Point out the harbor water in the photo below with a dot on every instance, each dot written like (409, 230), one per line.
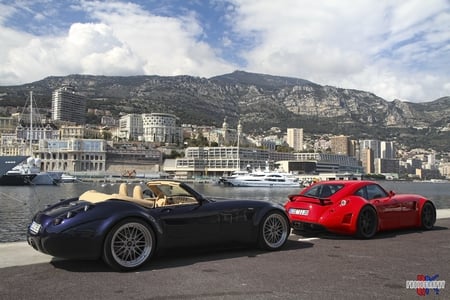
(19, 204)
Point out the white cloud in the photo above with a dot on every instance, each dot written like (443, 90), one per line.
(169, 46)
(395, 49)
(124, 40)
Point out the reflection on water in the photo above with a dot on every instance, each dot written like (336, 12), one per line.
(18, 204)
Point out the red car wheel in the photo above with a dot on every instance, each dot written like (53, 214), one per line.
(367, 222)
(428, 216)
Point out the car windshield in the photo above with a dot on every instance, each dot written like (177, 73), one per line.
(171, 190)
(323, 190)
(167, 189)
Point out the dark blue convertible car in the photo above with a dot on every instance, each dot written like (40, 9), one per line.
(126, 230)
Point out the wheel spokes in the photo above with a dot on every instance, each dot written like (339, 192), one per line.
(131, 244)
(367, 221)
(274, 230)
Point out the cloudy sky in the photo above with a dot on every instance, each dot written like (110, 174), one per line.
(397, 49)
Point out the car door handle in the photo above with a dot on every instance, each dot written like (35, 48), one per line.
(166, 210)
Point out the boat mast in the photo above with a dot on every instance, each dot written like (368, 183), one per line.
(239, 131)
(31, 123)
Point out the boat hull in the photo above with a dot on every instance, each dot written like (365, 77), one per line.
(263, 184)
(47, 178)
(17, 180)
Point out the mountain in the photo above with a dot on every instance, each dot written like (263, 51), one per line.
(260, 101)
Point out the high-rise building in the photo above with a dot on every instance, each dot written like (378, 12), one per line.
(374, 145)
(340, 145)
(367, 159)
(383, 165)
(295, 138)
(387, 150)
(68, 106)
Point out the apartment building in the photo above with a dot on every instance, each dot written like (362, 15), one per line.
(68, 105)
(295, 138)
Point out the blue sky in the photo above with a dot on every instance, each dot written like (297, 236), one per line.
(397, 49)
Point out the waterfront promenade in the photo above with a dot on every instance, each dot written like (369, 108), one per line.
(324, 267)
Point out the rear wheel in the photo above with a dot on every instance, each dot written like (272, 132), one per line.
(367, 222)
(129, 245)
(428, 216)
(274, 231)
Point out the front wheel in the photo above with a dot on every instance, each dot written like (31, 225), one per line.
(367, 223)
(274, 231)
(129, 245)
(428, 216)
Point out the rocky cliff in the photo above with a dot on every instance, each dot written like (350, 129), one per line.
(259, 101)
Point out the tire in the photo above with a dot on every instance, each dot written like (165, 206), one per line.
(428, 216)
(367, 224)
(274, 231)
(129, 245)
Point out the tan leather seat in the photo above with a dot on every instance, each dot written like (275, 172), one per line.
(137, 192)
(123, 189)
(160, 202)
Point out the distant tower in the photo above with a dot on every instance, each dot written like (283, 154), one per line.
(239, 132)
(225, 131)
(68, 106)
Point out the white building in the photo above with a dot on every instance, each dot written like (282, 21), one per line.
(130, 127)
(161, 128)
(72, 155)
(295, 138)
(152, 127)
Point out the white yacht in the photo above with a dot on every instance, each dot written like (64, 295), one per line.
(27, 172)
(259, 178)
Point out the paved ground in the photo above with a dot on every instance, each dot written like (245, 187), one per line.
(323, 267)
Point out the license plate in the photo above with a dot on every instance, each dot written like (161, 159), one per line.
(35, 227)
(301, 212)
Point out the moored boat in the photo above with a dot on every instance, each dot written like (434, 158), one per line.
(67, 178)
(261, 179)
(16, 170)
(23, 170)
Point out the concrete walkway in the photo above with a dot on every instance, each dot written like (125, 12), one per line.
(21, 254)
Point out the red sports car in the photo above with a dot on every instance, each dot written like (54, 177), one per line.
(357, 207)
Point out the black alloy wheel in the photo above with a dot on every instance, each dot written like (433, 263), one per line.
(428, 216)
(367, 222)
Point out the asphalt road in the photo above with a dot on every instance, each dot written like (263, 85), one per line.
(323, 267)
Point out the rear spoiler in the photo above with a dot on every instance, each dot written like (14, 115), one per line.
(310, 199)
